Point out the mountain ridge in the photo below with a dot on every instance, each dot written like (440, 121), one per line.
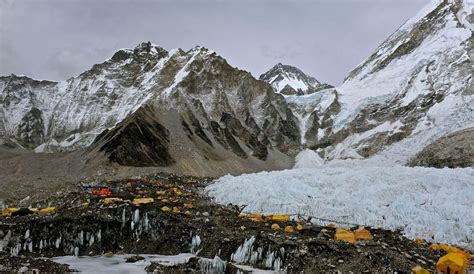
(213, 107)
(402, 96)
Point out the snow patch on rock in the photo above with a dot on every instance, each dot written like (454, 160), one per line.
(308, 159)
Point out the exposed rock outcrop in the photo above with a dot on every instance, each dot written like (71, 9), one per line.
(139, 140)
(453, 150)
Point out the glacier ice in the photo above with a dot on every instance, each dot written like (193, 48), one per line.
(419, 200)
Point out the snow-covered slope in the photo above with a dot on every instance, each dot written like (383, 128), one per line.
(207, 98)
(415, 88)
(71, 113)
(291, 80)
(308, 159)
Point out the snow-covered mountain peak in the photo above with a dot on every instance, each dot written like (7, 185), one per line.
(419, 56)
(436, 29)
(147, 52)
(289, 80)
(143, 51)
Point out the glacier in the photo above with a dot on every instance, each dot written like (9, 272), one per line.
(433, 204)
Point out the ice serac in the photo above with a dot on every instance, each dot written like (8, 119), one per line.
(415, 88)
(291, 80)
(191, 101)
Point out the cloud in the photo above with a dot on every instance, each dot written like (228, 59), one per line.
(281, 51)
(62, 64)
(55, 39)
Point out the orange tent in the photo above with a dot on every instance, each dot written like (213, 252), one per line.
(344, 235)
(363, 234)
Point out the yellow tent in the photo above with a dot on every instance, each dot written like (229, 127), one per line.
(419, 270)
(451, 249)
(139, 201)
(47, 210)
(111, 200)
(7, 212)
(451, 263)
(283, 218)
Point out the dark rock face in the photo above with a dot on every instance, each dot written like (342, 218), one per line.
(31, 129)
(140, 140)
(453, 150)
(198, 129)
(388, 112)
(288, 90)
(18, 100)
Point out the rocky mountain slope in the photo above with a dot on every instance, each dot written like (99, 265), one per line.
(414, 89)
(291, 80)
(148, 100)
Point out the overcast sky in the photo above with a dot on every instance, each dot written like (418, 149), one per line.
(57, 39)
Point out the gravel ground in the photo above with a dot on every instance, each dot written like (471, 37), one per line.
(196, 225)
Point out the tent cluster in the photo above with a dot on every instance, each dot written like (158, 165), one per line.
(361, 234)
(168, 197)
(262, 218)
(455, 261)
(15, 211)
(340, 234)
(288, 228)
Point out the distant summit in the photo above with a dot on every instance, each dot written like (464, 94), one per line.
(291, 80)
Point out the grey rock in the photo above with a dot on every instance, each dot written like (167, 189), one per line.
(453, 150)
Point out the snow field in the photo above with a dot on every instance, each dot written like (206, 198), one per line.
(117, 264)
